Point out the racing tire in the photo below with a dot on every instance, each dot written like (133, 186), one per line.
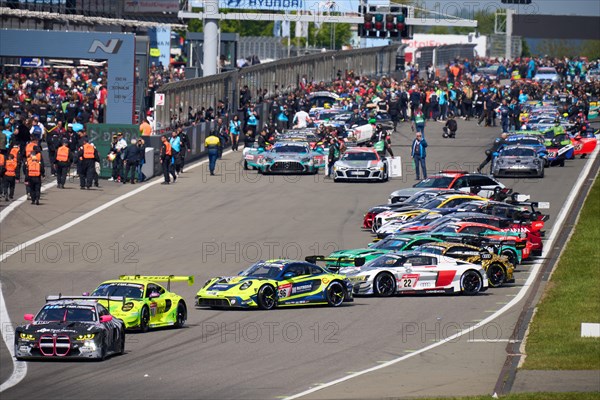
(562, 163)
(496, 275)
(266, 297)
(583, 155)
(471, 283)
(246, 165)
(542, 173)
(103, 350)
(511, 256)
(122, 347)
(181, 315)
(145, 319)
(335, 294)
(385, 177)
(384, 285)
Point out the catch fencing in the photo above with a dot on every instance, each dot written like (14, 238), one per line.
(282, 76)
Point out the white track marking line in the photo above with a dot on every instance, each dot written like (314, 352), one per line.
(535, 269)
(20, 367)
(15, 203)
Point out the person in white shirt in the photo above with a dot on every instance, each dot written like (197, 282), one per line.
(301, 119)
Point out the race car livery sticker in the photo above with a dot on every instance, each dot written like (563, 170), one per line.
(408, 280)
(325, 281)
(153, 307)
(302, 287)
(284, 290)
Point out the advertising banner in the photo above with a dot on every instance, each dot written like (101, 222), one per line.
(101, 136)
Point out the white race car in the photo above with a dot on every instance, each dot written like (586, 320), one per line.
(415, 272)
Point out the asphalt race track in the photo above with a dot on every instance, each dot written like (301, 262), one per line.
(209, 226)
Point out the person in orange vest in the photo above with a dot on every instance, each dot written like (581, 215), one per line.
(63, 158)
(8, 181)
(166, 159)
(89, 157)
(35, 174)
(33, 144)
(2, 169)
(16, 152)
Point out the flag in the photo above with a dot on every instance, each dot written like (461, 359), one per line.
(277, 29)
(285, 28)
(301, 29)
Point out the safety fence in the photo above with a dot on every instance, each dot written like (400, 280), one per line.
(280, 76)
(440, 56)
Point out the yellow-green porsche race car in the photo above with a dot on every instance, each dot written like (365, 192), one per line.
(269, 284)
(145, 304)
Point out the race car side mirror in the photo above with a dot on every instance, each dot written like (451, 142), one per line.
(154, 295)
(288, 275)
(85, 293)
(106, 318)
(28, 317)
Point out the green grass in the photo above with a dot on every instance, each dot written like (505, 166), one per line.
(529, 396)
(572, 297)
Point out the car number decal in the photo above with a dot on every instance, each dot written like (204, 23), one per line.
(409, 280)
(284, 290)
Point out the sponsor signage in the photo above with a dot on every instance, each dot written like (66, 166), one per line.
(32, 62)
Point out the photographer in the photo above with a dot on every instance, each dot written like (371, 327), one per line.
(489, 153)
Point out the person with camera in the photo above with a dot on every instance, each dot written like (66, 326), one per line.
(451, 127)
(489, 153)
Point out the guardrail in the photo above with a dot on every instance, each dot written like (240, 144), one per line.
(280, 76)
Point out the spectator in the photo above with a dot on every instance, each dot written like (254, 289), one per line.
(418, 154)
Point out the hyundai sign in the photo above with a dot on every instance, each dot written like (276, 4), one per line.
(272, 5)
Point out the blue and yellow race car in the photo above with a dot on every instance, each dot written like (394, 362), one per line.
(276, 283)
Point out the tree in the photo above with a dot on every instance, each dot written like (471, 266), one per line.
(591, 49)
(321, 37)
(525, 50)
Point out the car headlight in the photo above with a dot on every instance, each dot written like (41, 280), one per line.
(245, 285)
(87, 336)
(26, 336)
(375, 168)
(127, 306)
(268, 160)
(536, 161)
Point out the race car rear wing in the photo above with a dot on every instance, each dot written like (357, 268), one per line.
(159, 278)
(83, 297)
(479, 241)
(358, 261)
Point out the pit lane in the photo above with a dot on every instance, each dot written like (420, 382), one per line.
(210, 226)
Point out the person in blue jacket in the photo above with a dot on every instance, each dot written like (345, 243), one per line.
(418, 154)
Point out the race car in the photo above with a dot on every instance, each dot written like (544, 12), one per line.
(69, 327)
(146, 303)
(449, 179)
(289, 157)
(416, 199)
(344, 259)
(276, 283)
(499, 271)
(406, 214)
(415, 272)
(518, 161)
(584, 145)
(361, 163)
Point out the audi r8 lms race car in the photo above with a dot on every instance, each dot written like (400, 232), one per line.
(276, 283)
(71, 328)
(361, 163)
(146, 304)
(415, 272)
(518, 161)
